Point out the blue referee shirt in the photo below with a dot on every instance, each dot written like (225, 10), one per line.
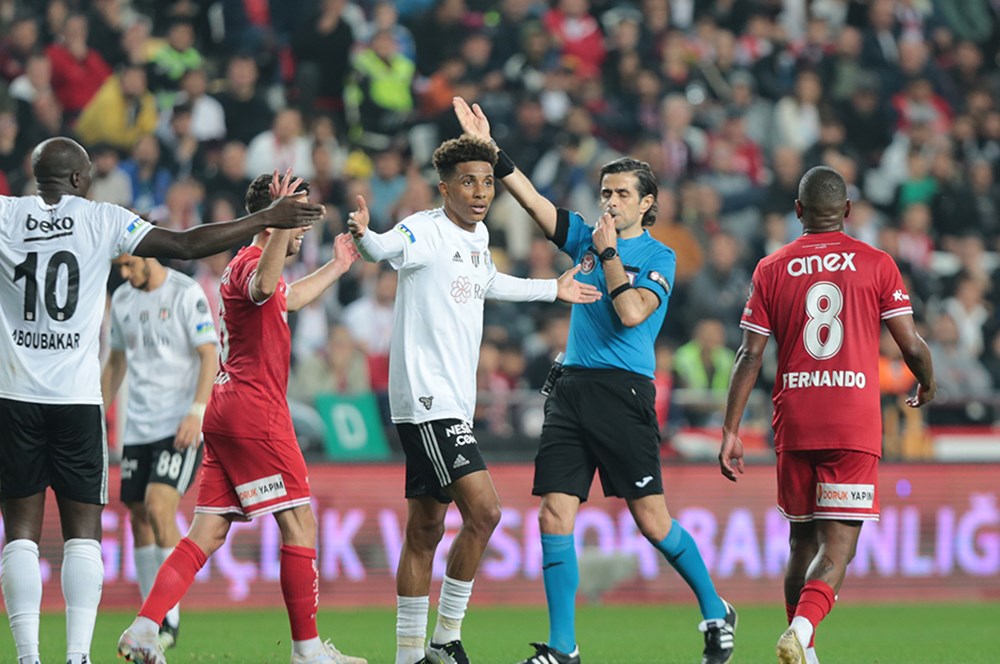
(597, 337)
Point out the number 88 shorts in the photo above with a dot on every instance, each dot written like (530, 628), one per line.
(157, 462)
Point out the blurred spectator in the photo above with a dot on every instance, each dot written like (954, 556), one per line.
(181, 208)
(246, 113)
(796, 116)
(47, 118)
(322, 47)
(110, 184)
(916, 246)
(866, 122)
(960, 377)
(149, 179)
(387, 186)
(208, 120)
(381, 97)
(369, 319)
(121, 112)
(986, 200)
(684, 146)
(77, 70)
(12, 145)
(37, 77)
(784, 187)
(879, 50)
(969, 310)
(705, 364)
(531, 137)
(968, 19)
(676, 235)
(340, 369)
(663, 381)
(281, 147)
(231, 179)
(493, 392)
(107, 27)
(525, 70)
(173, 59)
(727, 280)
(578, 34)
(180, 145)
(438, 33)
(17, 46)
(757, 112)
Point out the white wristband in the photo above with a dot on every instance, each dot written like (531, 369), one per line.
(197, 409)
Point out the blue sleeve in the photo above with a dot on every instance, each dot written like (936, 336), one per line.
(573, 235)
(658, 275)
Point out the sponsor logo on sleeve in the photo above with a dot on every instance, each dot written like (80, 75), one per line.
(900, 296)
(262, 490)
(407, 233)
(136, 224)
(854, 496)
(203, 327)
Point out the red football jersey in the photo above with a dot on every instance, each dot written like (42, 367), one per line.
(823, 298)
(248, 398)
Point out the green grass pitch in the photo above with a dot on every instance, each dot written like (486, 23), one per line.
(871, 634)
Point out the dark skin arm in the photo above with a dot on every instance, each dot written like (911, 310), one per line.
(917, 356)
(745, 371)
(209, 239)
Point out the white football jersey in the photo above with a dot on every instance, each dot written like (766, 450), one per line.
(159, 331)
(55, 261)
(444, 275)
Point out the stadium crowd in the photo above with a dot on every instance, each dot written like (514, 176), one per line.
(182, 103)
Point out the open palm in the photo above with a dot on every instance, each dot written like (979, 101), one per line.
(472, 119)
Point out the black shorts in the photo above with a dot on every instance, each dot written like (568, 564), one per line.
(604, 420)
(157, 462)
(437, 454)
(64, 446)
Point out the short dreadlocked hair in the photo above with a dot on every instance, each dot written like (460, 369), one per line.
(460, 150)
(259, 192)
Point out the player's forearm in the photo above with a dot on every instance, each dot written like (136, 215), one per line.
(744, 376)
(207, 370)
(918, 358)
(203, 240)
(311, 286)
(272, 262)
(376, 247)
(514, 289)
(537, 206)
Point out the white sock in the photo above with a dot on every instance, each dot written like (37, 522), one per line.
(143, 627)
(451, 610)
(173, 617)
(811, 657)
(411, 628)
(82, 582)
(77, 658)
(803, 629)
(303, 648)
(147, 563)
(22, 593)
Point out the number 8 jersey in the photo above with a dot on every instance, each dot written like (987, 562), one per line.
(55, 261)
(823, 298)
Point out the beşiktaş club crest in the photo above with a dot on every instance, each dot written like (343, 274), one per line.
(475, 259)
(164, 313)
(588, 262)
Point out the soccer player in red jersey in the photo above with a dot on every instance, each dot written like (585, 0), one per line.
(824, 298)
(253, 465)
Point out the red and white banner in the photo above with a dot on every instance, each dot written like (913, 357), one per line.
(939, 538)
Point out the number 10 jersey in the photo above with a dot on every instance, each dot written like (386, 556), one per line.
(54, 266)
(823, 298)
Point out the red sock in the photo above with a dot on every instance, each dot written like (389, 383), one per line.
(815, 602)
(173, 580)
(300, 588)
(789, 612)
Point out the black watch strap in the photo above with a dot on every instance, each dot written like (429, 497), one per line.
(608, 254)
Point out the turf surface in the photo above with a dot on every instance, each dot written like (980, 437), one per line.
(884, 634)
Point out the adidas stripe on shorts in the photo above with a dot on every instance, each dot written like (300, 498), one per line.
(438, 453)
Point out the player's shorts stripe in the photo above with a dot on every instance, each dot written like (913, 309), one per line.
(190, 456)
(278, 507)
(434, 453)
(846, 516)
(901, 311)
(104, 452)
(755, 328)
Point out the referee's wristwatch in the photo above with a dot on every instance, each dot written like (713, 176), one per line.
(608, 254)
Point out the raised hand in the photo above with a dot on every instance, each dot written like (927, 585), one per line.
(605, 234)
(344, 252)
(290, 212)
(573, 291)
(731, 456)
(357, 221)
(283, 185)
(473, 120)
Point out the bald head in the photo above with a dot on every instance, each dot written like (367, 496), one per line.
(61, 166)
(822, 204)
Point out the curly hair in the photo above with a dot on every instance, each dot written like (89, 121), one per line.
(460, 150)
(647, 184)
(259, 192)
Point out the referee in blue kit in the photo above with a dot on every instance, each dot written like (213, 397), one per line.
(599, 415)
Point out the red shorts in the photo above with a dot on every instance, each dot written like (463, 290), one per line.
(828, 484)
(251, 476)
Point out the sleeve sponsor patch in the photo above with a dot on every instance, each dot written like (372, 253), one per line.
(204, 327)
(658, 278)
(407, 233)
(136, 224)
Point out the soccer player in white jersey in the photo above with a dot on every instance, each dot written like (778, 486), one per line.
(55, 255)
(163, 338)
(445, 274)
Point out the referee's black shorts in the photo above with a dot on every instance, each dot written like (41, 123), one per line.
(64, 446)
(604, 420)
